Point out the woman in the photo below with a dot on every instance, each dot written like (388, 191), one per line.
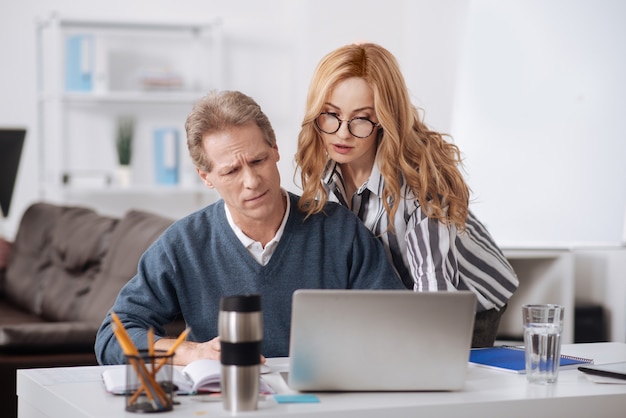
(364, 145)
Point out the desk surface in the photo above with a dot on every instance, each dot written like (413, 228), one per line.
(78, 392)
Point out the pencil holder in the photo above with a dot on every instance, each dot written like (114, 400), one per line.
(149, 382)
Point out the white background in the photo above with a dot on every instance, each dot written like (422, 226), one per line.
(532, 91)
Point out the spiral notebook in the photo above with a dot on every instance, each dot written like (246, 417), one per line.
(512, 359)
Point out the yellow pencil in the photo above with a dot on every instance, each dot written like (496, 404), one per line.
(150, 342)
(173, 348)
(178, 341)
(151, 350)
(128, 346)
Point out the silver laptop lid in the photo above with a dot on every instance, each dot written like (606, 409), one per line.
(372, 340)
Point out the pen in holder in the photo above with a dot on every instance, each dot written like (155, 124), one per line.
(149, 381)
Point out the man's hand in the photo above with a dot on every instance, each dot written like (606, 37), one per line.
(211, 349)
(189, 351)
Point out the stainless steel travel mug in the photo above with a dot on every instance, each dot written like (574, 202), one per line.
(240, 327)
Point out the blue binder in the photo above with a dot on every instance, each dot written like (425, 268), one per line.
(79, 63)
(166, 155)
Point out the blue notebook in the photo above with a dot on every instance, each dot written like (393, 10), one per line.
(512, 359)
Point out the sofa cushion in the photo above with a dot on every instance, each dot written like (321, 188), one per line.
(30, 255)
(47, 335)
(12, 315)
(80, 240)
(132, 236)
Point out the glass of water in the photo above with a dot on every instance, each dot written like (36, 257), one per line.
(543, 325)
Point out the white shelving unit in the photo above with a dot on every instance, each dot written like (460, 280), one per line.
(90, 73)
(572, 275)
(601, 280)
(546, 275)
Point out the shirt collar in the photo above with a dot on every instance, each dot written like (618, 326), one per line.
(246, 240)
(375, 182)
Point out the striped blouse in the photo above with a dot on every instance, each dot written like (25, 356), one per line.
(429, 255)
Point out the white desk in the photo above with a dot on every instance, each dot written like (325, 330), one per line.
(78, 392)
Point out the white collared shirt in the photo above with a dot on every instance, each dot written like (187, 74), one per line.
(255, 248)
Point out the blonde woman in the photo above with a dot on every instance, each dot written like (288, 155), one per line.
(363, 144)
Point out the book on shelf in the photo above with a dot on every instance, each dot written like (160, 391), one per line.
(199, 376)
(513, 359)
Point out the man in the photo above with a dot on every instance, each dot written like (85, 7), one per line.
(254, 240)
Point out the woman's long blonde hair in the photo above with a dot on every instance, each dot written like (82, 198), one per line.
(429, 164)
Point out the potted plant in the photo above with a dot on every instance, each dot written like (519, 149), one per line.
(124, 145)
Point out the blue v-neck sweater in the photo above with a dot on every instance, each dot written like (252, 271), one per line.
(199, 259)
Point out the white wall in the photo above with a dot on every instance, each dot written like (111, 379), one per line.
(531, 90)
(540, 118)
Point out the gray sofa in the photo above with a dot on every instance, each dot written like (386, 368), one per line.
(66, 268)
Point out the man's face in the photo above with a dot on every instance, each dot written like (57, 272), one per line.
(244, 173)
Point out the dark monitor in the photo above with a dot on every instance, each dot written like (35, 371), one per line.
(11, 143)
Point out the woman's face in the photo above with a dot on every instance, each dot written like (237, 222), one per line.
(349, 99)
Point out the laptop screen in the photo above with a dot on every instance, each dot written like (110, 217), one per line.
(11, 143)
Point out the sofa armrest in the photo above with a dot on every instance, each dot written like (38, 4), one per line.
(3, 274)
(6, 248)
(49, 335)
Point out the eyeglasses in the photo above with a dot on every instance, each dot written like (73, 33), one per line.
(330, 123)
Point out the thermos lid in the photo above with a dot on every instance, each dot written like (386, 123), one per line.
(241, 303)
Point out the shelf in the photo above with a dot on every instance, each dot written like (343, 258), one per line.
(96, 24)
(534, 253)
(132, 190)
(138, 97)
(93, 73)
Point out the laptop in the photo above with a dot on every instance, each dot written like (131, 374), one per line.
(380, 340)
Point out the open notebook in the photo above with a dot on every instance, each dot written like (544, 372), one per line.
(199, 376)
(380, 340)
